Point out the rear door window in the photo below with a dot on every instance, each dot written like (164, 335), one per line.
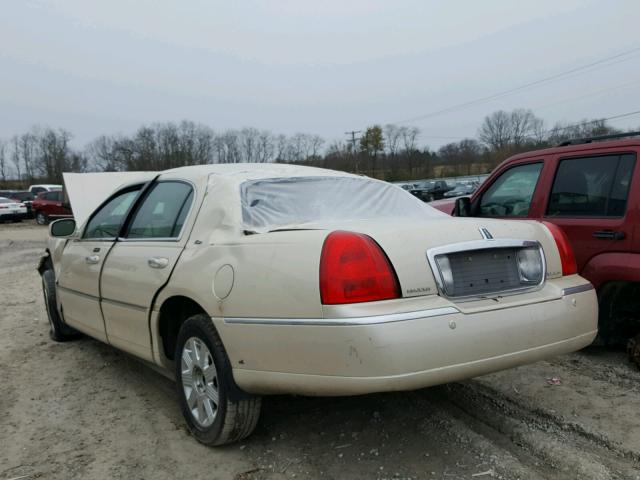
(595, 186)
(511, 193)
(163, 212)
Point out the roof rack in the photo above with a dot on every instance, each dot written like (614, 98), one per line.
(577, 141)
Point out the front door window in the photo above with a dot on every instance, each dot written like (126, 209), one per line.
(511, 194)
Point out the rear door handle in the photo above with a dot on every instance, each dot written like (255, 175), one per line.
(158, 262)
(92, 259)
(609, 235)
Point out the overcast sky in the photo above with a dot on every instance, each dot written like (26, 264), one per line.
(320, 67)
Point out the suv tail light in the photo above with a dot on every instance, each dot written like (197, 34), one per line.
(353, 268)
(567, 257)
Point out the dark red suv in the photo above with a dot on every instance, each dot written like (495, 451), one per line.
(591, 189)
(49, 206)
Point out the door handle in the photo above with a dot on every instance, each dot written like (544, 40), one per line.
(609, 235)
(92, 259)
(158, 262)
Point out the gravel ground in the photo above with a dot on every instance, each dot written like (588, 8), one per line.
(85, 410)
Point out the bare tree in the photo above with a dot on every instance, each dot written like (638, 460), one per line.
(392, 134)
(15, 156)
(3, 161)
(315, 144)
(496, 130)
(524, 125)
(266, 147)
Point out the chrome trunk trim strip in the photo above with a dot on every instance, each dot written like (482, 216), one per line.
(577, 289)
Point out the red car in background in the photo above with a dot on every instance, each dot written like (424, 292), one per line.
(591, 189)
(49, 206)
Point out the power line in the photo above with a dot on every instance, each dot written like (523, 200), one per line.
(614, 117)
(581, 68)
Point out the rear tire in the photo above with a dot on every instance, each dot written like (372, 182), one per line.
(58, 331)
(41, 218)
(217, 412)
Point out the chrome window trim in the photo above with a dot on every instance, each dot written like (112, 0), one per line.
(485, 244)
(344, 322)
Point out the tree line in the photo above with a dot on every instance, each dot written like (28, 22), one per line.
(390, 152)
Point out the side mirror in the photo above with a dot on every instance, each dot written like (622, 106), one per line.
(65, 227)
(462, 207)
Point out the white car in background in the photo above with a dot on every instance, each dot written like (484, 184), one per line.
(252, 279)
(12, 210)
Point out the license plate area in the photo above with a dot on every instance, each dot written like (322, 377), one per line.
(480, 272)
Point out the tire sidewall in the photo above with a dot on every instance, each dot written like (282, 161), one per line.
(50, 304)
(196, 326)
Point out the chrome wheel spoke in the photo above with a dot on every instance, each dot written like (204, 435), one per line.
(199, 381)
(209, 408)
(212, 394)
(202, 415)
(209, 373)
(191, 398)
(187, 379)
(187, 361)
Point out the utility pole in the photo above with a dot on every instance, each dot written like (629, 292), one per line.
(353, 139)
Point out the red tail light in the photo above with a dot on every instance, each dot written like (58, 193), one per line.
(567, 257)
(353, 268)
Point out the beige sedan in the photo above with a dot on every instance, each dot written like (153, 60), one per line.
(246, 280)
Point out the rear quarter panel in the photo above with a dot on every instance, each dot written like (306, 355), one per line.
(274, 275)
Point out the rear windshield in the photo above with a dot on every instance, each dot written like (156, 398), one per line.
(275, 203)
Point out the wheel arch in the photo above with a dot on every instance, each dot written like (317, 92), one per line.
(173, 312)
(612, 267)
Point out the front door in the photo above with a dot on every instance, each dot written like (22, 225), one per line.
(588, 200)
(83, 260)
(141, 263)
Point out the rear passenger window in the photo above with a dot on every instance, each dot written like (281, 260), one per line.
(592, 186)
(163, 213)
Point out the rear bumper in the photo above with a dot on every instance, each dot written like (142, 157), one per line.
(412, 350)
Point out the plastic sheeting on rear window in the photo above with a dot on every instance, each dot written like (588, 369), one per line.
(276, 203)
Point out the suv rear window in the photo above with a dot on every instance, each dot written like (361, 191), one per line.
(592, 186)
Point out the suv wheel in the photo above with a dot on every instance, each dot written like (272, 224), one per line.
(215, 410)
(41, 218)
(58, 331)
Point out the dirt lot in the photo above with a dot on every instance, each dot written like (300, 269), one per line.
(84, 410)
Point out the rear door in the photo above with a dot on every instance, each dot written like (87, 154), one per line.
(82, 261)
(141, 263)
(588, 199)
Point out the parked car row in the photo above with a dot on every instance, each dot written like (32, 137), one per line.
(43, 202)
(432, 190)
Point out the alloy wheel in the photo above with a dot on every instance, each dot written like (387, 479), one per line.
(199, 381)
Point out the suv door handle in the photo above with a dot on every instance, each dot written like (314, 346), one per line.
(92, 259)
(158, 262)
(609, 234)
